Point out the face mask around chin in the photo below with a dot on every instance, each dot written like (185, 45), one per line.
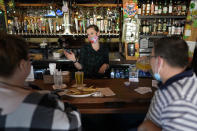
(93, 39)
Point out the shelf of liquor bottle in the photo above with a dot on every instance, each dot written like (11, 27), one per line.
(157, 36)
(160, 17)
(32, 35)
(34, 4)
(98, 5)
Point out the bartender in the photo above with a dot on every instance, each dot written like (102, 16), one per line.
(94, 57)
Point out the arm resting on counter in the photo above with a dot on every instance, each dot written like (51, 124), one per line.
(148, 125)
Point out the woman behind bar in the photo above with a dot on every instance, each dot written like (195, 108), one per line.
(94, 57)
(22, 108)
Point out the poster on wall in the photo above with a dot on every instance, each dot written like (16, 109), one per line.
(129, 8)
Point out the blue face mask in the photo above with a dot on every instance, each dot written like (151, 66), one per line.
(157, 76)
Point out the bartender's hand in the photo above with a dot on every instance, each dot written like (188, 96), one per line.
(148, 125)
(103, 68)
(70, 55)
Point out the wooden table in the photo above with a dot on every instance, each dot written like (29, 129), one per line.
(126, 99)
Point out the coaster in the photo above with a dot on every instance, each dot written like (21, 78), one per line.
(63, 86)
(75, 85)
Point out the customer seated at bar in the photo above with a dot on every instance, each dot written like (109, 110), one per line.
(94, 57)
(173, 106)
(22, 108)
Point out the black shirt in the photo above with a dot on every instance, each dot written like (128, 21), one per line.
(92, 60)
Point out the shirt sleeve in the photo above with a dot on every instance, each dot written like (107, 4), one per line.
(179, 115)
(154, 111)
(66, 117)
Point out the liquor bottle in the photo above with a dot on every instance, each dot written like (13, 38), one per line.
(139, 11)
(173, 27)
(159, 29)
(165, 27)
(144, 27)
(154, 31)
(170, 8)
(169, 26)
(174, 10)
(152, 8)
(148, 28)
(148, 8)
(179, 6)
(183, 8)
(143, 8)
(156, 7)
(165, 8)
(179, 28)
(160, 8)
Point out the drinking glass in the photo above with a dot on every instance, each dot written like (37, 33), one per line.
(79, 76)
(144, 63)
(57, 77)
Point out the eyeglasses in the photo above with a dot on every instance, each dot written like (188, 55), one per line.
(150, 57)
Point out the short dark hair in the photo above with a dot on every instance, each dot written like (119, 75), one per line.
(12, 50)
(93, 26)
(173, 49)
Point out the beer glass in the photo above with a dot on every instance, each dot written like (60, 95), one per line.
(143, 63)
(79, 75)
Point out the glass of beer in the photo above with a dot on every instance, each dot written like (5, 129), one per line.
(143, 63)
(79, 75)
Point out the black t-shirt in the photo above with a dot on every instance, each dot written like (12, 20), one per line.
(92, 60)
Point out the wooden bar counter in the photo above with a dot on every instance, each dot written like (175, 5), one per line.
(126, 99)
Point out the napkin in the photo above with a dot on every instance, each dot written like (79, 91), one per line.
(106, 91)
(143, 90)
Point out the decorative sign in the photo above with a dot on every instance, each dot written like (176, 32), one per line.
(129, 8)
